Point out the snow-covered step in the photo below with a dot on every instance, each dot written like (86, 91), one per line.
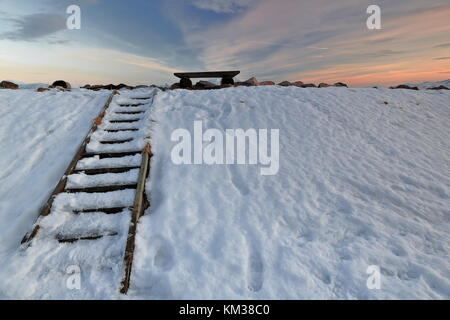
(105, 170)
(66, 222)
(125, 121)
(68, 202)
(68, 226)
(125, 109)
(97, 147)
(114, 126)
(127, 101)
(81, 180)
(122, 130)
(101, 135)
(123, 116)
(96, 162)
(129, 112)
(100, 262)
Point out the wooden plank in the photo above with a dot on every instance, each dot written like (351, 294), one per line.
(129, 112)
(116, 141)
(132, 105)
(45, 210)
(91, 172)
(102, 189)
(72, 239)
(113, 210)
(111, 154)
(138, 210)
(125, 121)
(119, 130)
(208, 74)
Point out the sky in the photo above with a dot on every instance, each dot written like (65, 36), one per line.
(145, 42)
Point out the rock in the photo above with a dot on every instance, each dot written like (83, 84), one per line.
(185, 83)
(285, 84)
(205, 85)
(144, 86)
(404, 86)
(340, 84)
(96, 87)
(323, 85)
(267, 83)
(42, 89)
(298, 84)
(8, 85)
(441, 87)
(120, 86)
(227, 80)
(62, 84)
(175, 86)
(244, 84)
(116, 92)
(252, 81)
(308, 85)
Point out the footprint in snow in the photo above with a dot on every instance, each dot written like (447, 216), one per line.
(255, 272)
(163, 258)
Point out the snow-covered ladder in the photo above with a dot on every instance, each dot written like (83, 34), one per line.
(64, 188)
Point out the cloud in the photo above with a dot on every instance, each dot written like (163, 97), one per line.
(442, 58)
(223, 6)
(443, 45)
(35, 26)
(385, 53)
(291, 39)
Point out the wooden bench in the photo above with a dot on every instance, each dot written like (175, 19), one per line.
(185, 82)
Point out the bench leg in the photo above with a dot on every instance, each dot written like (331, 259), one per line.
(227, 80)
(185, 83)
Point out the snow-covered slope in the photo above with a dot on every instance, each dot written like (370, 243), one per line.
(360, 183)
(39, 133)
(364, 180)
(431, 84)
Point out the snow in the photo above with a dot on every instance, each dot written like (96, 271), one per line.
(95, 162)
(360, 183)
(84, 180)
(83, 201)
(130, 146)
(431, 84)
(40, 132)
(45, 263)
(363, 180)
